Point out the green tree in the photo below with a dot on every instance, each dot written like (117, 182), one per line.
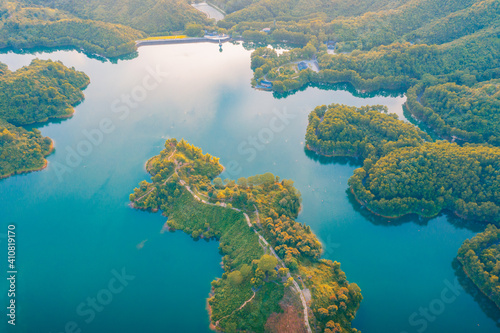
(267, 262)
(235, 277)
(194, 30)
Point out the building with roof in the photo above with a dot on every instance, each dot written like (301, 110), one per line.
(302, 65)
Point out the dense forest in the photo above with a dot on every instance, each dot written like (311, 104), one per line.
(480, 257)
(25, 26)
(432, 177)
(267, 255)
(106, 28)
(42, 90)
(366, 132)
(403, 172)
(149, 16)
(34, 93)
(460, 112)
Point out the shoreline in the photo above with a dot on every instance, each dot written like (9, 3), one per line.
(211, 326)
(187, 40)
(395, 217)
(442, 135)
(315, 150)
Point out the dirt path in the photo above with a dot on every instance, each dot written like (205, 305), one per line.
(241, 307)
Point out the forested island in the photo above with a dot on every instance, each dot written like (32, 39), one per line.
(429, 178)
(403, 172)
(36, 93)
(271, 262)
(366, 132)
(480, 258)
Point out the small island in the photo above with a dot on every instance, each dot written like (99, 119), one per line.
(273, 275)
(427, 179)
(365, 132)
(36, 93)
(480, 258)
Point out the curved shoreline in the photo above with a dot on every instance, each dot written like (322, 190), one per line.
(473, 282)
(395, 217)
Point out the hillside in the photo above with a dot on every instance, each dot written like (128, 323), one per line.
(425, 180)
(41, 91)
(106, 28)
(366, 132)
(414, 47)
(149, 16)
(21, 150)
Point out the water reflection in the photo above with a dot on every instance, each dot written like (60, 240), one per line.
(377, 220)
(341, 160)
(487, 305)
(343, 86)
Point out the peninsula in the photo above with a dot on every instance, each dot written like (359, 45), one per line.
(272, 267)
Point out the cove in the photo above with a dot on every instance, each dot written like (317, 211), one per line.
(75, 229)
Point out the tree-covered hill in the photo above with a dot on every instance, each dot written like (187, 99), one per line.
(265, 10)
(42, 90)
(469, 112)
(107, 28)
(366, 132)
(149, 16)
(23, 26)
(416, 45)
(265, 251)
(434, 176)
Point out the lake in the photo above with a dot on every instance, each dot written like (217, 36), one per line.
(78, 241)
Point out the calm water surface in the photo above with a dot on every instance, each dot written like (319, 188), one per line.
(75, 231)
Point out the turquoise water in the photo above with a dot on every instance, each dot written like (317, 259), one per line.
(75, 231)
